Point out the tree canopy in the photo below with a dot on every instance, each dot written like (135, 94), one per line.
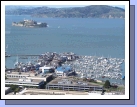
(107, 84)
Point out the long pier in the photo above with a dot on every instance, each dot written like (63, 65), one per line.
(23, 55)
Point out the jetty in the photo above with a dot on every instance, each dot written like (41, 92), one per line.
(23, 55)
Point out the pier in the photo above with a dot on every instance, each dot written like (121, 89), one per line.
(22, 55)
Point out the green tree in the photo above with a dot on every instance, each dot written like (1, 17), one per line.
(84, 79)
(107, 84)
(17, 90)
(6, 77)
(13, 87)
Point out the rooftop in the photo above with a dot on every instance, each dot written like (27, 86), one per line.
(30, 74)
(23, 80)
(46, 67)
(63, 69)
(71, 81)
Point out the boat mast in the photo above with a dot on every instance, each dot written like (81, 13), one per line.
(17, 58)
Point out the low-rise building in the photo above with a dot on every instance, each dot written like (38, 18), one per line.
(65, 83)
(25, 82)
(28, 75)
(62, 71)
(46, 69)
(17, 75)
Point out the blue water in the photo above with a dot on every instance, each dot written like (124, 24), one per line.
(83, 36)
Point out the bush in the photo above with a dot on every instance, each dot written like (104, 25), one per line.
(13, 87)
(84, 79)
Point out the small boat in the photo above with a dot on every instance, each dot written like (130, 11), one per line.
(103, 76)
(23, 57)
(6, 55)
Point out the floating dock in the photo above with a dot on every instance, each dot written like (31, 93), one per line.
(24, 55)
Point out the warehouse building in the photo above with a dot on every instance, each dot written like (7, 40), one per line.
(72, 84)
(25, 82)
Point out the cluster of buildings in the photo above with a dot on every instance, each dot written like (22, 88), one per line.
(58, 71)
(26, 79)
(29, 23)
(61, 82)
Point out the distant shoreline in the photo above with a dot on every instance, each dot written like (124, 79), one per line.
(65, 17)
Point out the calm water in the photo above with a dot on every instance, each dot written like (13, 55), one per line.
(83, 36)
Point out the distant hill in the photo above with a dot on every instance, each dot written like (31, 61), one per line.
(93, 11)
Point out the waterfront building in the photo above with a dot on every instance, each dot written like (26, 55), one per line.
(17, 75)
(46, 69)
(69, 84)
(25, 82)
(62, 71)
(29, 75)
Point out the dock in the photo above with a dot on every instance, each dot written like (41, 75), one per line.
(22, 55)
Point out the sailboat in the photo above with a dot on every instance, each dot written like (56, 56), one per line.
(6, 55)
(16, 63)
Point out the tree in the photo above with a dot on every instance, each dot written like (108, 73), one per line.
(16, 90)
(107, 84)
(91, 80)
(84, 79)
(13, 87)
(6, 77)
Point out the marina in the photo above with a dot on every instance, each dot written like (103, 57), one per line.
(89, 67)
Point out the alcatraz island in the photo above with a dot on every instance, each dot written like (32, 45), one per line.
(29, 23)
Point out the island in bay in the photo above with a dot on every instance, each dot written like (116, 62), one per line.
(29, 23)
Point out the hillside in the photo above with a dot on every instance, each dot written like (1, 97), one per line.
(93, 11)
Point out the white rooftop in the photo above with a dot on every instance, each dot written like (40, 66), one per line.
(45, 67)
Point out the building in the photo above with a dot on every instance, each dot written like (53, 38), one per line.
(46, 69)
(17, 75)
(25, 82)
(62, 71)
(7, 90)
(29, 75)
(45, 77)
(70, 84)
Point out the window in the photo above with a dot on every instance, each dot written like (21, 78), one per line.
(46, 70)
